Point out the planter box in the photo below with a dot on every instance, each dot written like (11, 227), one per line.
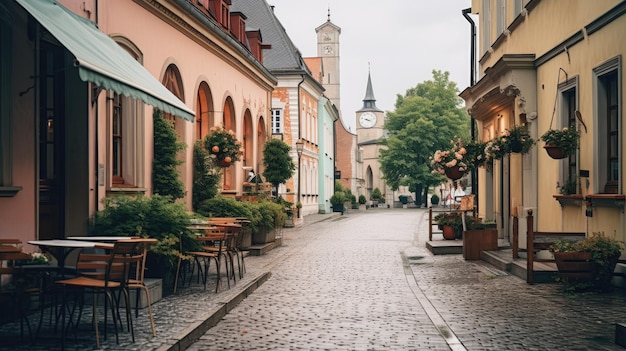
(246, 238)
(575, 266)
(338, 208)
(263, 236)
(477, 241)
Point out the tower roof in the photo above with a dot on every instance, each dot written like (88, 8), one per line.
(369, 102)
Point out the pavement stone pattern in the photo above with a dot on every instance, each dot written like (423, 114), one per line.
(342, 288)
(364, 281)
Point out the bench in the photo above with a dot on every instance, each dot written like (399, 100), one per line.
(536, 241)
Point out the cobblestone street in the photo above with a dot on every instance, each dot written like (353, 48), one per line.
(364, 281)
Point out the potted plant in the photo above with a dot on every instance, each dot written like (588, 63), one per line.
(337, 201)
(480, 236)
(377, 197)
(587, 264)
(223, 146)
(568, 187)
(561, 143)
(513, 140)
(362, 199)
(434, 200)
(517, 140)
(450, 163)
(450, 223)
(354, 202)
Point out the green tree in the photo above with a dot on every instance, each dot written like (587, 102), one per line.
(206, 176)
(278, 164)
(165, 177)
(425, 119)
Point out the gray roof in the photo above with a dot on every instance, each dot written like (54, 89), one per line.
(284, 56)
(369, 102)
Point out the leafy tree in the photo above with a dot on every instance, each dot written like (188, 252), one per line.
(278, 164)
(206, 175)
(377, 196)
(425, 119)
(165, 177)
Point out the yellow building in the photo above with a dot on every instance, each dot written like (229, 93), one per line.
(549, 64)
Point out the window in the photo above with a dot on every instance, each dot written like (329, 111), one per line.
(608, 138)
(5, 100)
(569, 104)
(485, 27)
(125, 138)
(116, 132)
(501, 16)
(517, 5)
(277, 121)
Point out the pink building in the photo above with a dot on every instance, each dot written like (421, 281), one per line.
(78, 84)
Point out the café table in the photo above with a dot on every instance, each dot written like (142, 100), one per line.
(61, 248)
(105, 239)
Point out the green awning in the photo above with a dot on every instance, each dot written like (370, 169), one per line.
(100, 60)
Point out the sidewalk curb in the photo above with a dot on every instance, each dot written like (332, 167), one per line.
(195, 330)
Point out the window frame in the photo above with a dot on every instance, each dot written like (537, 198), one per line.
(485, 27)
(602, 182)
(278, 126)
(6, 105)
(568, 94)
(131, 157)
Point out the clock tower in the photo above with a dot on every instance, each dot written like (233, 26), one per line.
(369, 119)
(328, 50)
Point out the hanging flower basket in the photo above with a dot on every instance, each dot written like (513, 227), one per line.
(554, 151)
(226, 162)
(459, 159)
(516, 146)
(566, 140)
(223, 146)
(454, 173)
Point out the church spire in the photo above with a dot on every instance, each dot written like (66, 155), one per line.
(369, 102)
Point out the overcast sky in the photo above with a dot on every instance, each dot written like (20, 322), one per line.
(402, 40)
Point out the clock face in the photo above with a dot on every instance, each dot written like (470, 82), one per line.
(328, 50)
(367, 120)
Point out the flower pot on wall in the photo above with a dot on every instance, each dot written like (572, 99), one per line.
(555, 152)
(454, 173)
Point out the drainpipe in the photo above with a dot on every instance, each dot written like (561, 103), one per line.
(299, 132)
(96, 92)
(466, 13)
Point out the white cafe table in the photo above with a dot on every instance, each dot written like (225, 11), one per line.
(60, 248)
(105, 239)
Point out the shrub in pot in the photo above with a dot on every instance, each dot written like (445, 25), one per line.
(362, 199)
(337, 201)
(434, 200)
(603, 252)
(155, 217)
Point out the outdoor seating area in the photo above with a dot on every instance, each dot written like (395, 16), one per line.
(52, 288)
(81, 294)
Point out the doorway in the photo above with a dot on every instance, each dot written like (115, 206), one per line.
(51, 141)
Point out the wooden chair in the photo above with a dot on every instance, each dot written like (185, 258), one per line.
(234, 226)
(15, 294)
(213, 242)
(105, 274)
(137, 275)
